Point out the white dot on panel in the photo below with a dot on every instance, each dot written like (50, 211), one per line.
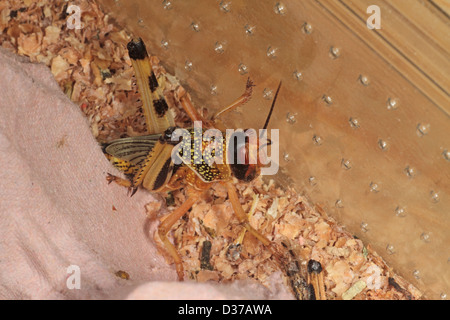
(195, 26)
(280, 8)
(167, 4)
(317, 140)
(400, 212)
(374, 187)
(188, 65)
(346, 164)
(364, 80)
(446, 155)
(225, 6)
(392, 103)
(219, 47)
(410, 171)
(423, 129)
(364, 227)
(327, 99)
(243, 69)
(383, 144)
(307, 28)
(272, 52)
(434, 196)
(164, 44)
(297, 75)
(249, 29)
(267, 94)
(291, 117)
(390, 249)
(213, 89)
(354, 123)
(425, 237)
(335, 52)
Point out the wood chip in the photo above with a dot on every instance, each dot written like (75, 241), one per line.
(354, 290)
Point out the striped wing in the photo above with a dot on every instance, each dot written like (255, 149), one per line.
(144, 159)
(133, 149)
(128, 154)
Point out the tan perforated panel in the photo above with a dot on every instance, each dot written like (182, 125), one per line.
(363, 114)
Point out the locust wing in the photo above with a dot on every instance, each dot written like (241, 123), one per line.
(128, 154)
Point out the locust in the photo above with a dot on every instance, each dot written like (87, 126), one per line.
(148, 161)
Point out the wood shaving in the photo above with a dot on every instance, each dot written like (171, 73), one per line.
(92, 66)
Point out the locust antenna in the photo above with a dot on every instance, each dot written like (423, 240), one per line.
(271, 108)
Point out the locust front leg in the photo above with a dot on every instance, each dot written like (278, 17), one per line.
(277, 253)
(235, 247)
(127, 168)
(281, 255)
(244, 98)
(194, 115)
(122, 182)
(167, 224)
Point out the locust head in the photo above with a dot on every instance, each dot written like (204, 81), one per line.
(247, 151)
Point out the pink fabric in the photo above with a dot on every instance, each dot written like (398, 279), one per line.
(56, 208)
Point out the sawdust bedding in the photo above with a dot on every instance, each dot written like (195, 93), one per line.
(92, 66)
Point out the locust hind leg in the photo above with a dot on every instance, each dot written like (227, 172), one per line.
(315, 279)
(167, 224)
